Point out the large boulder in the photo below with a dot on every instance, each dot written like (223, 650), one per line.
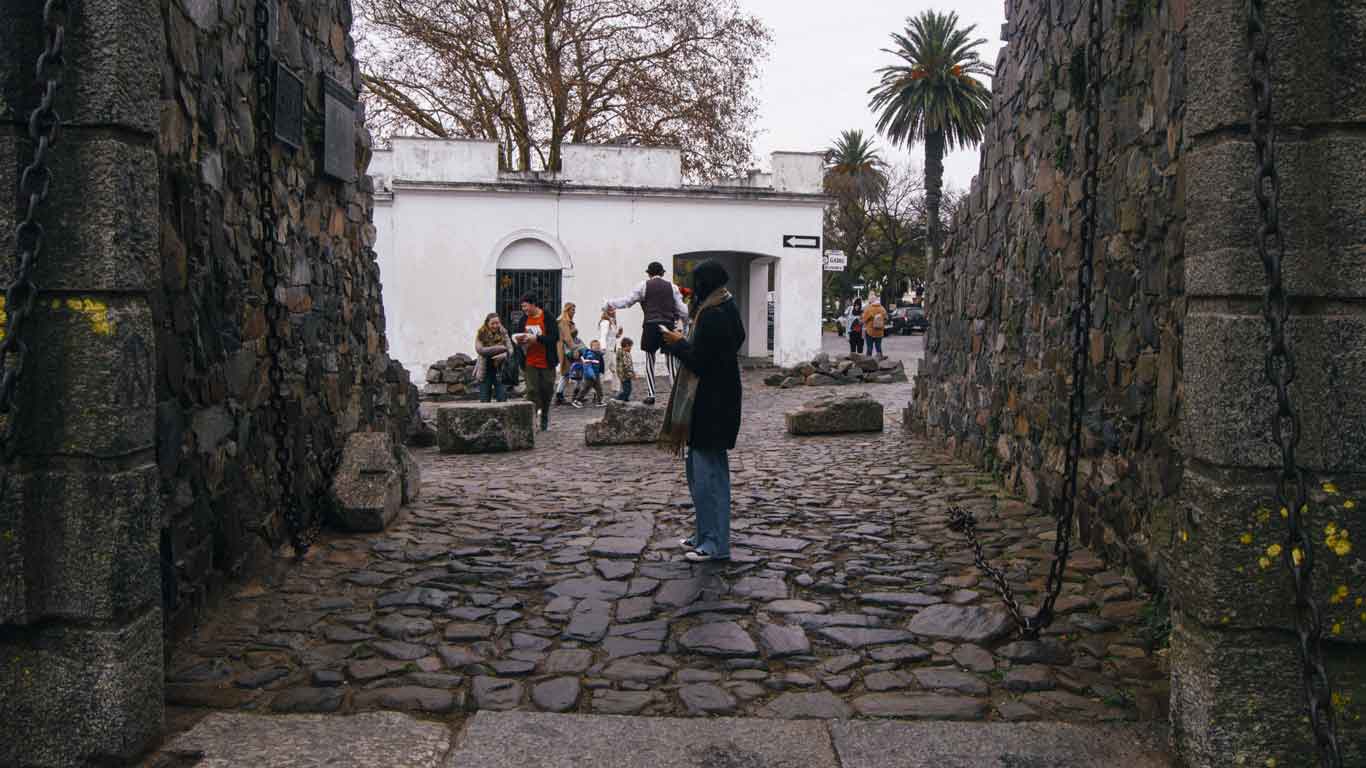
(368, 487)
(625, 424)
(831, 414)
(485, 427)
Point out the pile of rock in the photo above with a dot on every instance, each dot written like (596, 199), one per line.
(451, 379)
(824, 370)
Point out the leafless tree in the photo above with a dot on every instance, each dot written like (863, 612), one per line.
(535, 74)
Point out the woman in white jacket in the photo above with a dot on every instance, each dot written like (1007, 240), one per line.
(608, 335)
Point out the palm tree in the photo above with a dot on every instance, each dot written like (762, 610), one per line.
(931, 96)
(853, 161)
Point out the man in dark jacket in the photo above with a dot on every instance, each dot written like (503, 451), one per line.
(539, 337)
(711, 354)
(662, 303)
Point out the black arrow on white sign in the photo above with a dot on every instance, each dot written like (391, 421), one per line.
(801, 241)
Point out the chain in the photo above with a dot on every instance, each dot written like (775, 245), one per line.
(22, 293)
(1064, 507)
(277, 312)
(1280, 373)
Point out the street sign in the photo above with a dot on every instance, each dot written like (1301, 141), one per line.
(801, 241)
(834, 261)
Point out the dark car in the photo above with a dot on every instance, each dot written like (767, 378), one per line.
(908, 320)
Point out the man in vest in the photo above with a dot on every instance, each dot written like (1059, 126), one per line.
(663, 305)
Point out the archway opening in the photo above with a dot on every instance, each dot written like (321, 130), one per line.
(527, 265)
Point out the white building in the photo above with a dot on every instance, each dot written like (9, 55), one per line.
(458, 239)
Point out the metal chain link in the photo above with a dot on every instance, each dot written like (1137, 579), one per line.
(277, 313)
(1280, 373)
(22, 293)
(1064, 507)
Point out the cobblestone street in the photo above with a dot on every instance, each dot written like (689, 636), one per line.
(553, 580)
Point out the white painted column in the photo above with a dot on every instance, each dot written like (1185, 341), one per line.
(756, 320)
(797, 314)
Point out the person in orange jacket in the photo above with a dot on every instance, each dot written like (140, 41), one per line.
(875, 322)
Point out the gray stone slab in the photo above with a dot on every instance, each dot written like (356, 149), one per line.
(862, 744)
(536, 740)
(224, 740)
(485, 427)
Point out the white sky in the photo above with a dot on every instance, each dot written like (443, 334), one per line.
(823, 59)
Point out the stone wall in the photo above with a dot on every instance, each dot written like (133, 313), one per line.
(218, 479)
(993, 385)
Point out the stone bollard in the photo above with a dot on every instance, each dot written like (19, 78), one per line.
(368, 488)
(834, 415)
(625, 424)
(486, 427)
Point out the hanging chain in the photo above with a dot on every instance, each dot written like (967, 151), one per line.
(22, 293)
(1064, 507)
(277, 313)
(1280, 373)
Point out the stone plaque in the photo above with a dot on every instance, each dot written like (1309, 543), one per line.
(289, 107)
(339, 131)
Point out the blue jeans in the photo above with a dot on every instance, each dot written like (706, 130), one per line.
(492, 385)
(625, 394)
(709, 483)
(874, 342)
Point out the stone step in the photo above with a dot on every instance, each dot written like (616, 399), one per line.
(538, 740)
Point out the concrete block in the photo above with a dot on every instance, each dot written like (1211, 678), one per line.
(114, 54)
(485, 427)
(81, 695)
(101, 223)
(1316, 60)
(1323, 216)
(1237, 698)
(831, 415)
(1228, 404)
(1227, 541)
(85, 545)
(625, 424)
(281, 741)
(91, 355)
(368, 487)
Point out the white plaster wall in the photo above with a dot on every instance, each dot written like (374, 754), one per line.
(381, 168)
(798, 171)
(598, 165)
(419, 159)
(439, 251)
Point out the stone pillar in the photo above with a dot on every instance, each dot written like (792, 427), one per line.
(756, 324)
(1236, 691)
(81, 660)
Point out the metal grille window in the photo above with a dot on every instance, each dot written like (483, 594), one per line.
(513, 283)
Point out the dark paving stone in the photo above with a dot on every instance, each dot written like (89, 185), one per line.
(635, 609)
(799, 706)
(963, 624)
(907, 653)
(588, 587)
(775, 543)
(614, 569)
(707, 699)
(589, 621)
(398, 627)
(760, 588)
(407, 698)
(858, 637)
(613, 546)
(298, 700)
(1034, 677)
(636, 671)
(558, 695)
(496, 694)
(950, 679)
(395, 649)
(900, 599)
(920, 706)
(678, 593)
(779, 641)
(568, 661)
(456, 657)
(721, 638)
(424, 597)
(261, 677)
(621, 702)
(1036, 652)
(889, 680)
(460, 631)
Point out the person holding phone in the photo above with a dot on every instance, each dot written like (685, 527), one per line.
(664, 309)
(704, 407)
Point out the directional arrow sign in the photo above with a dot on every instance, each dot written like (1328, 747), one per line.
(801, 241)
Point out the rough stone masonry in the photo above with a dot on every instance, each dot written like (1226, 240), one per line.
(1177, 463)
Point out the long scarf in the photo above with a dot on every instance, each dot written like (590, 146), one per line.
(683, 395)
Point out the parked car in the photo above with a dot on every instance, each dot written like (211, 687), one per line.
(908, 320)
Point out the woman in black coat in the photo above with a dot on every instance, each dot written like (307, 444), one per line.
(704, 409)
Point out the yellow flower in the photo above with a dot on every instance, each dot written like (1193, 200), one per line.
(1285, 512)
(1343, 547)
(1349, 504)
(1337, 628)
(1297, 556)
(1264, 562)
(1274, 550)
(1330, 529)
(1329, 488)
(1246, 538)
(1339, 595)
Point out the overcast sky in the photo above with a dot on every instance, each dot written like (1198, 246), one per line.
(822, 62)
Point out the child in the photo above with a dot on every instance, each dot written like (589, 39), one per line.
(626, 370)
(856, 335)
(591, 365)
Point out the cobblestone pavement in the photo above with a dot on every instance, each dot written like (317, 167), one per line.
(552, 579)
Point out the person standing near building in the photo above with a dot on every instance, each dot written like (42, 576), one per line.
(493, 347)
(874, 326)
(704, 407)
(626, 369)
(568, 330)
(540, 338)
(663, 305)
(608, 335)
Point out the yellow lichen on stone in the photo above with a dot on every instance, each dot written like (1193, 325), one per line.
(1246, 538)
(96, 312)
(1329, 488)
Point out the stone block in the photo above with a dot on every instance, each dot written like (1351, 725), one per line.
(831, 414)
(355, 741)
(625, 424)
(1236, 698)
(80, 545)
(81, 695)
(1323, 216)
(485, 427)
(412, 475)
(368, 487)
(1315, 60)
(1228, 404)
(95, 353)
(1226, 562)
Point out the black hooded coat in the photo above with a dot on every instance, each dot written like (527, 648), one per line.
(712, 354)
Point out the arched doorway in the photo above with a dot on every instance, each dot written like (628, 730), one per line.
(527, 264)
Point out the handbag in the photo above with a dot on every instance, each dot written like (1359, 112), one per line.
(510, 372)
